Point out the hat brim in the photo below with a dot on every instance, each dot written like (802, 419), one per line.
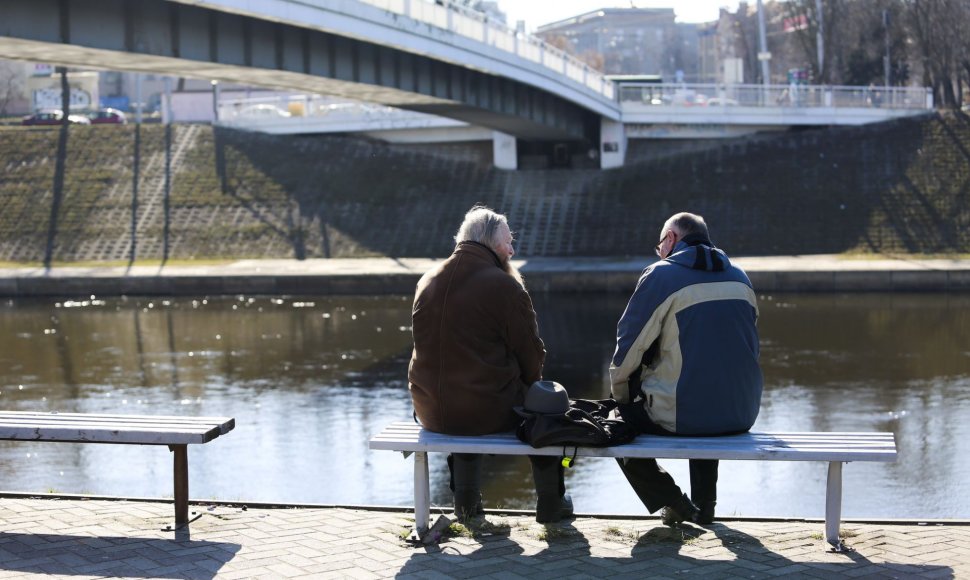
(525, 413)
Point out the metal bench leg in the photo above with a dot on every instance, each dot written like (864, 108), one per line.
(181, 483)
(422, 493)
(833, 506)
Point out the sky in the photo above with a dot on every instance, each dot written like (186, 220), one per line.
(539, 12)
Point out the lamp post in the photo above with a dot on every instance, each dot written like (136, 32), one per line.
(887, 68)
(820, 38)
(763, 55)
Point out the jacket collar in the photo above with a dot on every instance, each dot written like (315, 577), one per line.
(480, 250)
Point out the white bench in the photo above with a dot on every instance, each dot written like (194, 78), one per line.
(175, 432)
(834, 448)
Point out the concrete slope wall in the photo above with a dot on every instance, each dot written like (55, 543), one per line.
(110, 193)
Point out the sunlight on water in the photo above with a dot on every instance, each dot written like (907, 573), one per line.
(310, 379)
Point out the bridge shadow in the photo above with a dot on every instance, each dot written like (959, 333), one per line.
(118, 556)
(898, 186)
(659, 552)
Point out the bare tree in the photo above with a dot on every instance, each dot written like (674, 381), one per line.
(937, 29)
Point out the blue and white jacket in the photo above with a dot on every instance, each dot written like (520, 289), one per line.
(687, 344)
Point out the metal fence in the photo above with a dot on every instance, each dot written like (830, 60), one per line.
(721, 95)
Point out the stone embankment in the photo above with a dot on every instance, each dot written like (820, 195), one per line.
(125, 193)
(399, 276)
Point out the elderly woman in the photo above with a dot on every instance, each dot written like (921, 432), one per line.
(476, 351)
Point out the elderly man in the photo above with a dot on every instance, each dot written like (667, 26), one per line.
(476, 352)
(686, 362)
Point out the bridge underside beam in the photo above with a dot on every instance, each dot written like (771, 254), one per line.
(161, 37)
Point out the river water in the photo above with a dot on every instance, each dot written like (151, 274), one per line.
(310, 379)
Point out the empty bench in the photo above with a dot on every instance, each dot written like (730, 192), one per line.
(834, 448)
(175, 432)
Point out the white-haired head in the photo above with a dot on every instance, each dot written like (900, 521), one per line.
(482, 225)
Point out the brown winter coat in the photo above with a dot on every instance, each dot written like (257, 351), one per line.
(476, 345)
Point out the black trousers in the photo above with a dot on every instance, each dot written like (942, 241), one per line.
(652, 484)
(469, 468)
(656, 488)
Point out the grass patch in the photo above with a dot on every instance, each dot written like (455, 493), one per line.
(843, 534)
(860, 255)
(665, 535)
(477, 528)
(552, 532)
(121, 263)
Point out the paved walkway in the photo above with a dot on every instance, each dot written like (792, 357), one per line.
(388, 275)
(95, 538)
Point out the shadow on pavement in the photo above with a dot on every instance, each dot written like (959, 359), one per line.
(65, 555)
(657, 552)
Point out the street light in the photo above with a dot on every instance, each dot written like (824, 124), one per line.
(763, 55)
(887, 68)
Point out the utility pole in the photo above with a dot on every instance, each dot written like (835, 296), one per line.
(887, 68)
(820, 38)
(763, 55)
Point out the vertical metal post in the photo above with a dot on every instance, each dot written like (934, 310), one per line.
(833, 504)
(422, 493)
(887, 68)
(763, 45)
(167, 110)
(820, 39)
(215, 102)
(181, 471)
(138, 104)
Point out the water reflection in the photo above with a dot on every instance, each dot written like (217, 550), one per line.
(309, 380)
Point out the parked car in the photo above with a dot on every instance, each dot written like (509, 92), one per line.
(53, 117)
(108, 116)
(721, 102)
(262, 111)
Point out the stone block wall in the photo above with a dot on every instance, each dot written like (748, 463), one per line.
(191, 192)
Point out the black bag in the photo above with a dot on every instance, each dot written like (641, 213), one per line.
(586, 424)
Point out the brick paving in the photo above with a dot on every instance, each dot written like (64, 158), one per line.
(97, 538)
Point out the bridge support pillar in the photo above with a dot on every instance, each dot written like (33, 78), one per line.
(612, 144)
(504, 151)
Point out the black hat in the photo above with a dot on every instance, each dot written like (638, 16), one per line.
(544, 398)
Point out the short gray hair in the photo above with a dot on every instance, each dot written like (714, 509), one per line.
(687, 224)
(481, 225)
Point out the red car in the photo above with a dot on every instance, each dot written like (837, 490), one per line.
(53, 117)
(108, 116)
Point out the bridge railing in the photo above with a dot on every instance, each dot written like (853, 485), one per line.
(477, 26)
(723, 95)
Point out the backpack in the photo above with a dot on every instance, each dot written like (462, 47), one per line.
(586, 424)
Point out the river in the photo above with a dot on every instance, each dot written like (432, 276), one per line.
(310, 379)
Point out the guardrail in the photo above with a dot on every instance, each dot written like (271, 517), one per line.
(477, 26)
(721, 95)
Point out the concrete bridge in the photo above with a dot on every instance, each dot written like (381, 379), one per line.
(415, 55)
(411, 54)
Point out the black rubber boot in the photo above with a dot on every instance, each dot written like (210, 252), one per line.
(681, 510)
(703, 488)
(706, 515)
(466, 479)
(552, 503)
